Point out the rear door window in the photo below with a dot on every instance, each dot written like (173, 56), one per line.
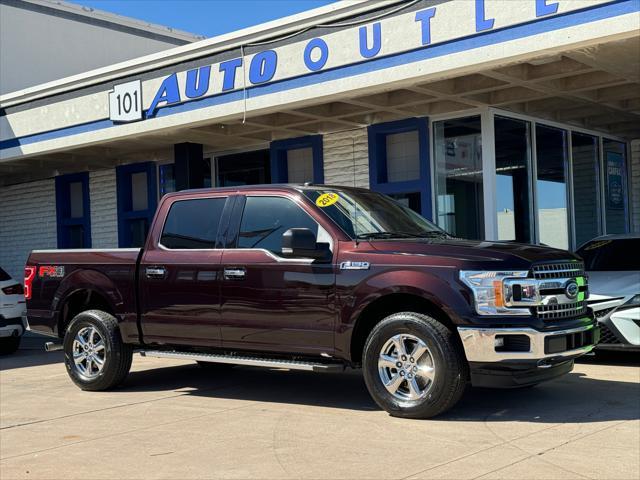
(611, 255)
(193, 224)
(265, 219)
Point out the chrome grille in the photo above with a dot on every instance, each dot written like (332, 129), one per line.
(558, 270)
(559, 311)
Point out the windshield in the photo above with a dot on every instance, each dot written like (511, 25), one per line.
(611, 255)
(372, 215)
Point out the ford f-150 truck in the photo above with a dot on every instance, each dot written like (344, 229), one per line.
(317, 278)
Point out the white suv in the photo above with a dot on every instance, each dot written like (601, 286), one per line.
(12, 309)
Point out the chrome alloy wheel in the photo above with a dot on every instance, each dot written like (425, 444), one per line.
(406, 367)
(88, 353)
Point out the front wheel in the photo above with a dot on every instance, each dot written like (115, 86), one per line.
(413, 367)
(94, 354)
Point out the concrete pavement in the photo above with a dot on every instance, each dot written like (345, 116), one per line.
(173, 419)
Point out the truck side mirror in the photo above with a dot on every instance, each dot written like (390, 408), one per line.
(302, 243)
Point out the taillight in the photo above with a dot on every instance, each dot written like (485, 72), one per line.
(13, 289)
(29, 274)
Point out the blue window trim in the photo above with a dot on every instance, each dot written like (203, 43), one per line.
(378, 161)
(124, 194)
(63, 202)
(278, 153)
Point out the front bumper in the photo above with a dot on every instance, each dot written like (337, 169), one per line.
(482, 344)
(519, 357)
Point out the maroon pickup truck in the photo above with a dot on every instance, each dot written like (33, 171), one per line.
(316, 278)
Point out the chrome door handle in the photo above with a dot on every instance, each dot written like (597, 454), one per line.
(155, 272)
(235, 273)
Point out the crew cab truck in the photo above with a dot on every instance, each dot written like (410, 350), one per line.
(317, 278)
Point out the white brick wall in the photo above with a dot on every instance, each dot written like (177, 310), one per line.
(341, 150)
(634, 184)
(27, 222)
(104, 209)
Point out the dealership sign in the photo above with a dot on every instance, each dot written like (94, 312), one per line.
(349, 44)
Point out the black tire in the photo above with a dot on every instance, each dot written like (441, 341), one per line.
(9, 345)
(451, 370)
(117, 355)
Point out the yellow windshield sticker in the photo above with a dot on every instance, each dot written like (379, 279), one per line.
(327, 199)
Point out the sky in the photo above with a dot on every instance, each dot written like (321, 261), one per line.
(205, 17)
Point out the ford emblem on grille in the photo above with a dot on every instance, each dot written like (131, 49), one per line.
(571, 289)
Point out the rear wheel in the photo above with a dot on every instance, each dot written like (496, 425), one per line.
(94, 354)
(413, 367)
(9, 345)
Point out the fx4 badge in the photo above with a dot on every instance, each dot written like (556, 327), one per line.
(354, 266)
(51, 271)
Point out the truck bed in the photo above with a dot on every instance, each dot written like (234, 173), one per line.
(109, 274)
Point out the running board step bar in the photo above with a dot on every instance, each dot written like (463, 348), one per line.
(251, 361)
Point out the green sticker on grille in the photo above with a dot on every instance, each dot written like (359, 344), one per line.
(581, 297)
(580, 281)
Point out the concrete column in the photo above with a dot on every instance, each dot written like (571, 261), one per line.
(190, 167)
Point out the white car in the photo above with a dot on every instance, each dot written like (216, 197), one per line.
(12, 309)
(612, 263)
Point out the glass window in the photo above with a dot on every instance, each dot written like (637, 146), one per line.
(403, 156)
(614, 186)
(513, 154)
(410, 200)
(586, 201)
(611, 255)
(72, 211)
(249, 168)
(137, 197)
(139, 193)
(458, 162)
(167, 179)
(75, 200)
(265, 219)
(193, 224)
(300, 165)
(551, 186)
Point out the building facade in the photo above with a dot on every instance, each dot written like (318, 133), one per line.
(45, 40)
(495, 119)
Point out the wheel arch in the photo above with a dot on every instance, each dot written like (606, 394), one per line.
(84, 289)
(388, 304)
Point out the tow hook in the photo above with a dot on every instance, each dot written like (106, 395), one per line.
(52, 346)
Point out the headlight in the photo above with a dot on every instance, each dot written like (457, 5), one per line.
(488, 291)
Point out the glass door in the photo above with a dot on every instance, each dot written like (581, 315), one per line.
(513, 179)
(551, 186)
(585, 160)
(458, 176)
